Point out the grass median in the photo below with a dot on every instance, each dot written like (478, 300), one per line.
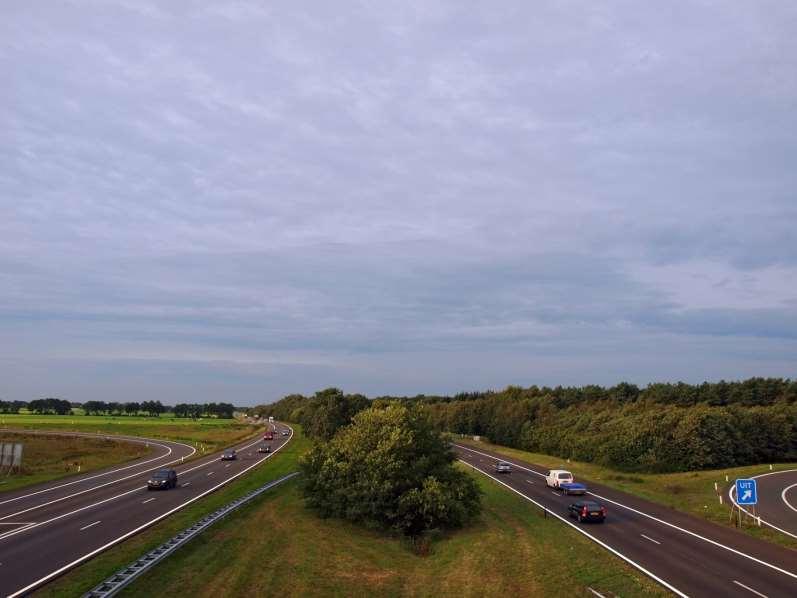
(48, 458)
(690, 492)
(276, 545)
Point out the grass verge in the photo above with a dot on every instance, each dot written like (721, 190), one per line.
(42, 463)
(691, 492)
(275, 545)
(210, 434)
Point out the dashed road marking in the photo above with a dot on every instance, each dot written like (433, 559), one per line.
(148, 500)
(90, 525)
(749, 589)
(649, 538)
(211, 472)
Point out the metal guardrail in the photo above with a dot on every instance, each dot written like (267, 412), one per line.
(126, 575)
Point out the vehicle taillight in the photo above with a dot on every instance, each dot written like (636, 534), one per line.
(603, 511)
(584, 511)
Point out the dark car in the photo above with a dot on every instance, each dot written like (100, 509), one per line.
(163, 479)
(587, 510)
(264, 448)
(229, 455)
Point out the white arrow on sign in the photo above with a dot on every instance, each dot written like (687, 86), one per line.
(747, 494)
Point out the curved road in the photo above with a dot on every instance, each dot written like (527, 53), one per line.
(777, 500)
(48, 529)
(687, 555)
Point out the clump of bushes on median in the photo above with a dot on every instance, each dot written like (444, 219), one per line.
(390, 469)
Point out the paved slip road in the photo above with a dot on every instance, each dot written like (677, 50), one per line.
(690, 556)
(777, 500)
(50, 528)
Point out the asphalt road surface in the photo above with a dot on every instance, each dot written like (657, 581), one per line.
(688, 555)
(47, 529)
(777, 501)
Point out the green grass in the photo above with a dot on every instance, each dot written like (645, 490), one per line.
(691, 492)
(276, 545)
(80, 580)
(47, 458)
(208, 434)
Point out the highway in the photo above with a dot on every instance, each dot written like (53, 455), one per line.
(777, 501)
(47, 529)
(688, 555)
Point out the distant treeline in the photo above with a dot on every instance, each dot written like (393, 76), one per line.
(150, 408)
(12, 406)
(662, 427)
(197, 410)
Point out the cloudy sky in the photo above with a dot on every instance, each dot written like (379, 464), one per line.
(234, 201)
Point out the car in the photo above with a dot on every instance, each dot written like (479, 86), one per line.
(286, 433)
(587, 510)
(229, 455)
(558, 476)
(503, 467)
(264, 448)
(163, 479)
(572, 488)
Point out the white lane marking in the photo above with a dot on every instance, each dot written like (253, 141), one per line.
(68, 496)
(186, 484)
(671, 525)
(90, 525)
(20, 525)
(17, 531)
(148, 500)
(554, 493)
(749, 589)
(226, 466)
(649, 538)
(581, 531)
(783, 496)
(772, 525)
(596, 592)
(88, 555)
(85, 479)
(211, 472)
(530, 481)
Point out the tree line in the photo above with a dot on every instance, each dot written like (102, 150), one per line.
(197, 410)
(150, 408)
(660, 428)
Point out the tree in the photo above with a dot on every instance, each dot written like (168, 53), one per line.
(389, 469)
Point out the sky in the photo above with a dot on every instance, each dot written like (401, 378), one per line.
(233, 201)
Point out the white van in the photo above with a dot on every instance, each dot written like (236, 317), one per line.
(558, 476)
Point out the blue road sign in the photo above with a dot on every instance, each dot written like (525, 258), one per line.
(746, 492)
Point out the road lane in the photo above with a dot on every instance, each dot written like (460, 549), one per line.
(55, 541)
(777, 501)
(693, 556)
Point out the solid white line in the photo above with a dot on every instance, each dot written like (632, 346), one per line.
(748, 588)
(783, 496)
(649, 538)
(588, 535)
(136, 489)
(85, 479)
(148, 500)
(88, 555)
(595, 592)
(90, 525)
(673, 526)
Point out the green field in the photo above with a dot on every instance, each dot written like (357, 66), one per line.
(47, 457)
(276, 546)
(691, 492)
(207, 434)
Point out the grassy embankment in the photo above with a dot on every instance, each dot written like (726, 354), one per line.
(277, 546)
(691, 492)
(47, 458)
(208, 434)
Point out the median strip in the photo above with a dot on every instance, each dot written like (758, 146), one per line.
(126, 575)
